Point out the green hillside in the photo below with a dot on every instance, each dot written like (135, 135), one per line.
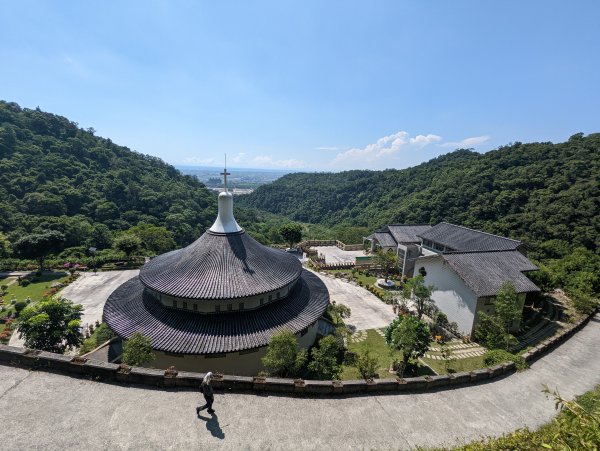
(543, 193)
(57, 176)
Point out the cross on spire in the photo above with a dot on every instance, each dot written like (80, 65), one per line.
(225, 174)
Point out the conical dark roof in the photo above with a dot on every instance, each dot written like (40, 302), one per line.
(221, 266)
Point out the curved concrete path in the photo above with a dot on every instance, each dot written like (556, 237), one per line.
(48, 411)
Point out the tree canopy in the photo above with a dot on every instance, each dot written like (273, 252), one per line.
(57, 176)
(291, 232)
(51, 325)
(542, 193)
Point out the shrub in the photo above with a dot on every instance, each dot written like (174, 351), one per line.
(19, 306)
(367, 365)
(325, 359)
(283, 357)
(25, 282)
(103, 333)
(137, 350)
(498, 356)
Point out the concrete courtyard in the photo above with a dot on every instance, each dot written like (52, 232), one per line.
(48, 411)
(335, 255)
(368, 311)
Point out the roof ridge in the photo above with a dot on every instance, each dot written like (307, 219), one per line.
(480, 251)
(480, 231)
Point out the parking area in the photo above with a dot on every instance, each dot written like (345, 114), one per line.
(335, 255)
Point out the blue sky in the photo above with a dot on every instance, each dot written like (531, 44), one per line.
(311, 85)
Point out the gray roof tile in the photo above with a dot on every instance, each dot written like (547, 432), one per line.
(463, 239)
(407, 233)
(485, 272)
(131, 309)
(221, 266)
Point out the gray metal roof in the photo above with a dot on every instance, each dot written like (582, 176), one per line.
(485, 272)
(131, 309)
(221, 266)
(407, 233)
(463, 239)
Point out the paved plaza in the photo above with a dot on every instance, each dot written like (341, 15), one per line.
(47, 411)
(368, 311)
(335, 255)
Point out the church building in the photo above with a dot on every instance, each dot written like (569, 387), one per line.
(215, 304)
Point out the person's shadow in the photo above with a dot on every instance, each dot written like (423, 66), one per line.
(212, 424)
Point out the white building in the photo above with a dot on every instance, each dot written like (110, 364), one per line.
(466, 266)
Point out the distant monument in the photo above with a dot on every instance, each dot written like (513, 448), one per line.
(215, 304)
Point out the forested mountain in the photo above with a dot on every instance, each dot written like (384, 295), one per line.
(57, 176)
(543, 193)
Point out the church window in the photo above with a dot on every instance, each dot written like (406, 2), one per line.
(195, 307)
(270, 297)
(185, 305)
(262, 301)
(278, 294)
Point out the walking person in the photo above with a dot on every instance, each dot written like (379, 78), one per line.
(207, 391)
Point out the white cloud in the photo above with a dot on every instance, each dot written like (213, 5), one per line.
(466, 143)
(239, 158)
(383, 149)
(423, 140)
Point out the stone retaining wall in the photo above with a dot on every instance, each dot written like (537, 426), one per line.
(103, 371)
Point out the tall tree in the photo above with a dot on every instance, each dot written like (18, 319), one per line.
(386, 260)
(410, 336)
(5, 248)
(38, 245)
(51, 325)
(155, 239)
(291, 232)
(127, 243)
(420, 293)
(508, 309)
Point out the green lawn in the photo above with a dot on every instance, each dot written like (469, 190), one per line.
(468, 364)
(37, 286)
(375, 343)
(34, 290)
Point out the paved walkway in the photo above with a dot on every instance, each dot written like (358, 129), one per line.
(368, 311)
(47, 411)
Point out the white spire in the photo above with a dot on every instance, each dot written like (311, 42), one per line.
(225, 222)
